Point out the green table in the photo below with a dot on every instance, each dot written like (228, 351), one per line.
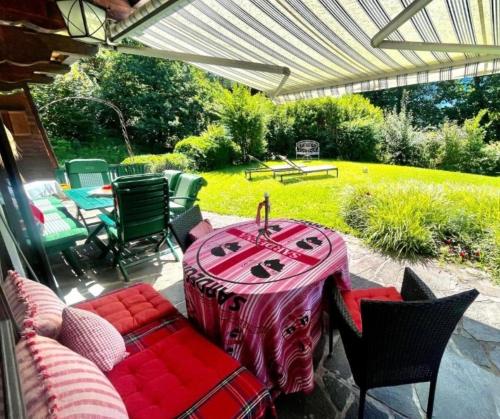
(84, 201)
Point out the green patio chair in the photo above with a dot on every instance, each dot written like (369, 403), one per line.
(186, 192)
(85, 173)
(141, 215)
(61, 231)
(173, 179)
(60, 175)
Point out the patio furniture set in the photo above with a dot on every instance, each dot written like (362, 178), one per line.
(258, 300)
(136, 207)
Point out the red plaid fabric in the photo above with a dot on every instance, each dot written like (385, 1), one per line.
(148, 335)
(239, 395)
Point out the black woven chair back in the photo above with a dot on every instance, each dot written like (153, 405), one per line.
(182, 225)
(405, 341)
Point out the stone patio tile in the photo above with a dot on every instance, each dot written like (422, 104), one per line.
(463, 391)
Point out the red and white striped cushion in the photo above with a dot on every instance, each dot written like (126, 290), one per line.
(93, 337)
(58, 383)
(34, 305)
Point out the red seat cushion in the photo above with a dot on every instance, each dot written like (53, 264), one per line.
(130, 308)
(182, 372)
(352, 300)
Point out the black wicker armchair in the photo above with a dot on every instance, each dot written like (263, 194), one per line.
(182, 224)
(399, 342)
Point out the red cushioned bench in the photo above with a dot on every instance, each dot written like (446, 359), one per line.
(172, 370)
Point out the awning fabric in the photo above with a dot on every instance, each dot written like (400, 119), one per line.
(325, 43)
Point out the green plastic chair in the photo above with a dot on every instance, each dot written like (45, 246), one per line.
(61, 231)
(173, 179)
(85, 173)
(186, 192)
(141, 214)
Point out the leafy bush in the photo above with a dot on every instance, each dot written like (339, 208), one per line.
(464, 148)
(210, 150)
(245, 117)
(399, 138)
(345, 127)
(415, 221)
(112, 148)
(357, 140)
(159, 162)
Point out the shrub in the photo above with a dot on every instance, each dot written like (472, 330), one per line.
(490, 162)
(345, 127)
(210, 150)
(357, 140)
(159, 162)
(416, 220)
(399, 138)
(112, 148)
(245, 117)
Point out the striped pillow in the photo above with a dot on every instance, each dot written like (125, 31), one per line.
(34, 305)
(93, 337)
(57, 382)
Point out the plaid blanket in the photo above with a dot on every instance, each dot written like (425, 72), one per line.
(148, 335)
(237, 395)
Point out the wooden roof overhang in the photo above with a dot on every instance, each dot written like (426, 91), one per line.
(34, 45)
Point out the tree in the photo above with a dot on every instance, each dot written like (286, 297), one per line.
(245, 116)
(162, 101)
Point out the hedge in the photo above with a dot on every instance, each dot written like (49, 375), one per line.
(210, 150)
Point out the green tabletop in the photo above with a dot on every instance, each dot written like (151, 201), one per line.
(83, 200)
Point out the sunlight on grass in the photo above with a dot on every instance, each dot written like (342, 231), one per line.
(318, 197)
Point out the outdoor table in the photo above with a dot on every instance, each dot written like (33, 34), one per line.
(86, 201)
(262, 303)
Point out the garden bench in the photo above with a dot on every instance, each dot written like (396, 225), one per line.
(307, 149)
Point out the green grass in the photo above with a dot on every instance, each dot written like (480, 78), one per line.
(406, 212)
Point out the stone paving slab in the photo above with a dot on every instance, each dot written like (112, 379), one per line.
(469, 378)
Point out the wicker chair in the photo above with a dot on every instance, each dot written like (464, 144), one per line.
(401, 342)
(182, 224)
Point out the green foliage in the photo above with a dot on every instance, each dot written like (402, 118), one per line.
(455, 100)
(112, 148)
(417, 221)
(399, 138)
(76, 120)
(162, 101)
(245, 117)
(345, 127)
(464, 148)
(157, 163)
(211, 149)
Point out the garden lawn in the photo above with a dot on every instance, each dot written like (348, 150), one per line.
(405, 212)
(317, 197)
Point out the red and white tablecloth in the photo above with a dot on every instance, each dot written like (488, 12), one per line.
(262, 303)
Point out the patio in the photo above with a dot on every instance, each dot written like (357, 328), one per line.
(286, 50)
(470, 371)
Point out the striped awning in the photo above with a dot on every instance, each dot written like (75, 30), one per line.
(327, 44)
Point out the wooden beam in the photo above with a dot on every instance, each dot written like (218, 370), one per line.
(42, 15)
(22, 47)
(46, 68)
(17, 74)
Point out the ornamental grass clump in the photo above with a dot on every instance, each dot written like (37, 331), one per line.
(417, 221)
